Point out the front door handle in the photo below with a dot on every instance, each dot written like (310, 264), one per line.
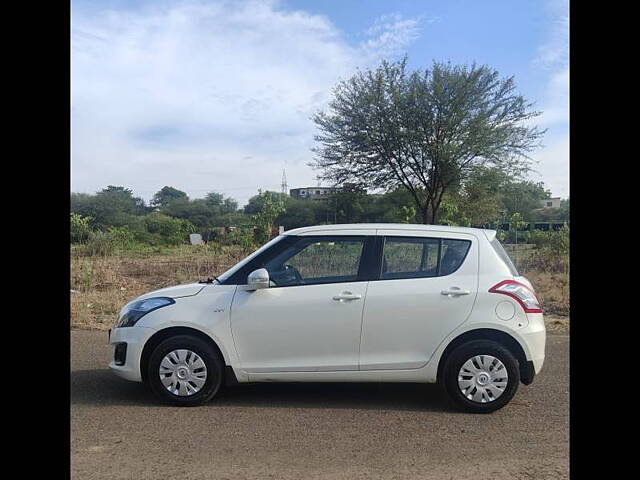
(454, 292)
(347, 296)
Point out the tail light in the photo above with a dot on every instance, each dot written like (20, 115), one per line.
(520, 292)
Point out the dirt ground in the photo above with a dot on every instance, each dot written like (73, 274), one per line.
(313, 431)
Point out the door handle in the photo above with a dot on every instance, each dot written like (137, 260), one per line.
(454, 292)
(347, 296)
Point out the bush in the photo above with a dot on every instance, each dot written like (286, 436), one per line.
(99, 244)
(242, 238)
(80, 228)
(552, 252)
(166, 230)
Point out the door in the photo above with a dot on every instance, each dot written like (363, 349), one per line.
(310, 318)
(426, 289)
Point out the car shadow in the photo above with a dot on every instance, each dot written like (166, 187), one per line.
(102, 387)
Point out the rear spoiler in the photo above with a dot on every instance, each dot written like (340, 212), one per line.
(490, 234)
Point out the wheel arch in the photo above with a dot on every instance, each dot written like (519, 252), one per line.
(503, 338)
(168, 332)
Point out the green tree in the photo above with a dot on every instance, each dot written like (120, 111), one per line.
(347, 204)
(220, 203)
(479, 199)
(168, 230)
(425, 130)
(270, 207)
(523, 197)
(167, 195)
(552, 214)
(112, 206)
(301, 213)
(255, 203)
(79, 228)
(407, 213)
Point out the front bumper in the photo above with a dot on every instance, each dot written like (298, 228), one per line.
(135, 338)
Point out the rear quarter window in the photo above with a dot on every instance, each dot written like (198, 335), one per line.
(504, 256)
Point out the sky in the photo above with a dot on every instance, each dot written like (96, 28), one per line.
(218, 95)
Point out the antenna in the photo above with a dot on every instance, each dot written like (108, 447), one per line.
(285, 187)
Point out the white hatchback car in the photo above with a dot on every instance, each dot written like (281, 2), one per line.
(344, 303)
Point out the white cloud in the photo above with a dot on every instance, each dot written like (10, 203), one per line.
(555, 50)
(206, 95)
(552, 166)
(553, 58)
(390, 35)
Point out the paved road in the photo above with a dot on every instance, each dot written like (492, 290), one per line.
(329, 431)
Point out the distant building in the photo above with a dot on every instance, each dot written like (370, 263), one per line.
(553, 202)
(313, 193)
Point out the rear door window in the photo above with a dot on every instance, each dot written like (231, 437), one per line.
(419, 257)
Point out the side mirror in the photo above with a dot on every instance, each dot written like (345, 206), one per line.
(258, 279)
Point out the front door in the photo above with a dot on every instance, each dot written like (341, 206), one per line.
(426, 289)
(311, 316)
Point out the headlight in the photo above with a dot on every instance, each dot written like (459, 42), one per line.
(138, 309)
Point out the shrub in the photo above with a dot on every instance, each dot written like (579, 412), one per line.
(99, 244)
(552, 252)
(166, 230)
(242, 238)
(79, 228)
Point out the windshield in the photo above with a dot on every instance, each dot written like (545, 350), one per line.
(222, 278)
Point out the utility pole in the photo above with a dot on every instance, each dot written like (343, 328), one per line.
(283, 185)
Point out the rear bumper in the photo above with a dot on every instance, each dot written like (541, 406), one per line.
(527, 373)
(535, 337)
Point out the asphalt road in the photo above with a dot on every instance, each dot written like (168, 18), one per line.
(329, 431)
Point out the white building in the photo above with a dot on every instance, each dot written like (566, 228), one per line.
(553, 202)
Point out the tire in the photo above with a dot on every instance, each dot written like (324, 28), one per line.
(188, 369)
(479, 384)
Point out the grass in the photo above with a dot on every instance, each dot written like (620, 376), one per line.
(104, 283)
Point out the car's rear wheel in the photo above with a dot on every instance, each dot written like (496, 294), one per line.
(481, 376)
(185, 370)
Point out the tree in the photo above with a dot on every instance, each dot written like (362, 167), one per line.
(270, 206)
(301, 213)
(347, 204)
(424, 130)
(523, 197)
(166, 195)
(255, 204)
(80, 229)
(220, 203)
(480, 198)
(547, 214)
(112, 206)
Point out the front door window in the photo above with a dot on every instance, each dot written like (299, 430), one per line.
(316, 260)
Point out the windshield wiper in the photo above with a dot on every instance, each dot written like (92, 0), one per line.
(210, 280)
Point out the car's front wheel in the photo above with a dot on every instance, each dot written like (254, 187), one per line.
(481, 376)
(185, 370)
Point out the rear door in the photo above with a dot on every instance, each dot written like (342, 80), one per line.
(426, 288)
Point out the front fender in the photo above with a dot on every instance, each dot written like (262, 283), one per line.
(207, 312)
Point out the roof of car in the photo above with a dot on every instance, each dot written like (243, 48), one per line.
(389, 226)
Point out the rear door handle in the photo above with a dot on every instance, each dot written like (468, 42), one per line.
(347, 296)
(455, 291)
